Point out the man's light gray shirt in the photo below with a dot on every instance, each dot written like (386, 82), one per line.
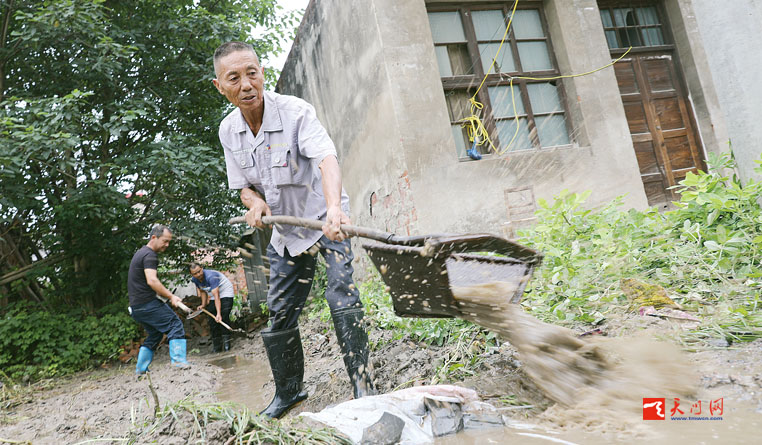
(281, 162)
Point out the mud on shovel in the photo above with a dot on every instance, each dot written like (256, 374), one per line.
(420, 271)
(198, 312)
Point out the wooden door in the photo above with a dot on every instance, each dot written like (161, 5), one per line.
(661, 123)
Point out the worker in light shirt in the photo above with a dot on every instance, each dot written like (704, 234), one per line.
(216, 293)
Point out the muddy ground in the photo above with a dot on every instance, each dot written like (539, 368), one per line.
(112, 403)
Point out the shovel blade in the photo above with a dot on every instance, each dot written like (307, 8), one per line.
(421, 278)
(194, 314)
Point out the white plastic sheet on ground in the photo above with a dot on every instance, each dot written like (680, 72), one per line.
(353, 416)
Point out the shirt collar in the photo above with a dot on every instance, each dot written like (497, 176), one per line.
(270, 121)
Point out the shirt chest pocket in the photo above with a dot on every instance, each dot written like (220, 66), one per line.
(245, 161)
(283, 166)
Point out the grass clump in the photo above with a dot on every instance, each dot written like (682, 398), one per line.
(191, 419)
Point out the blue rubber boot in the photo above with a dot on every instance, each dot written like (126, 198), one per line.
(177, 352)
(145, 357)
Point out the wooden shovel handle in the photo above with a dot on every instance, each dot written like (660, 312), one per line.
(364, 232)
(221, 322)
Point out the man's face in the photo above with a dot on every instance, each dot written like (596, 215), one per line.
(198, 273)
(161, 243)
(241, 80)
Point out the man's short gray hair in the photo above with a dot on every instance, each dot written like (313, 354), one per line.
(231, 47)
(158, 230)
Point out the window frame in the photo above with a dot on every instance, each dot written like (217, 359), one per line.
(472, 81)
(664, 25)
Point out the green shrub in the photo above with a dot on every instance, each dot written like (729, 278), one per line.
(35, 344)
(706, 253)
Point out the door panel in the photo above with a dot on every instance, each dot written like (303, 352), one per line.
(679, 150)
(649, 164)
(655, 192)
(625, 75)
(636, 117)
(668, 112)
(658, 69)
(660, 122)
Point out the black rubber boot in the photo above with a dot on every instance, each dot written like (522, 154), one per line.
(284, 350)
(216, 343)
(353, 340)
(226, 342)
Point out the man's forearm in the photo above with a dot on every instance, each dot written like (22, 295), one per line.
(217, 300)
(331, 179)
(250, 196)
(160, 289)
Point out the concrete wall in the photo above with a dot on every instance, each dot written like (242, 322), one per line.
(731, 48)
(337, 64)
(699, 81)
(453, 196)
(369, 68)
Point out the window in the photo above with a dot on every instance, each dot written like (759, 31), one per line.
(632, 26)
(466, 40)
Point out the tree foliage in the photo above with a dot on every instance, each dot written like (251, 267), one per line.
(108, 124)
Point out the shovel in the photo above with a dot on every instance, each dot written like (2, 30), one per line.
(198, 312)
(420, 271)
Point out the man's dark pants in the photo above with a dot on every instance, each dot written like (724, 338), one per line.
(291, 280)
(158, 319)
(226, 305)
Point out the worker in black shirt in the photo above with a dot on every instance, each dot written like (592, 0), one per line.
(153, 314)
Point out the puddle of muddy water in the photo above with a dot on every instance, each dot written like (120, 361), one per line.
(243, 382)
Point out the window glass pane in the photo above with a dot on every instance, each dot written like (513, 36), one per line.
(502, 104)
(606, 18)
(460, 136)
(443, 60)
(534, 56)
(653, 36)
(506, 130)
(446, 27)
(544, 98)
(458, 104)
(489, 25)
(624, 17)
(611, 39)
(630, 37)
(504, 63)
(647, 16)
(526, 24)
(552, 130)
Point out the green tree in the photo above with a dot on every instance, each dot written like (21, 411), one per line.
(108, 124)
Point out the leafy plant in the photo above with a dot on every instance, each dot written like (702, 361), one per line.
(706, 252)
(462, 341)
(36, 344)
